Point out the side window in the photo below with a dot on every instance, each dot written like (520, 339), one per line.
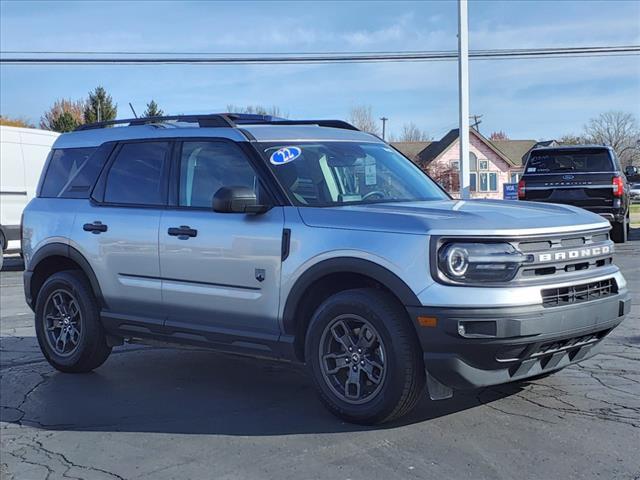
(70, 173)
(205, 167)
(137, 174)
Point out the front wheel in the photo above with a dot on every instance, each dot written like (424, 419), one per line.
(364, 357)
(68, 327)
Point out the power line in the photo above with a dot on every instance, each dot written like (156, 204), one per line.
(309, 58)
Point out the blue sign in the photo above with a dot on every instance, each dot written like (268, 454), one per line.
(285, 155)
(510, 191)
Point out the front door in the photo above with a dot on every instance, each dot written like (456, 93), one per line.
(220, 271)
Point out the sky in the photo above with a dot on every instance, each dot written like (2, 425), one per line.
(527, 99)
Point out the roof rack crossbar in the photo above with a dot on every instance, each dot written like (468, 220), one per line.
(229, 120)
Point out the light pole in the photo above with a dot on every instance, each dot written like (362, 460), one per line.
(384, 123)
(463, 87)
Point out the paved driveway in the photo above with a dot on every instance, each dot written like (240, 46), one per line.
(161, 413)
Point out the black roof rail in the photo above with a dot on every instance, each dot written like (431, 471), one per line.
(209, 120)
(229, 120)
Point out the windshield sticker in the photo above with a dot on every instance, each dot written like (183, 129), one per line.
(285, 155)
(370, 177)
(531, 169)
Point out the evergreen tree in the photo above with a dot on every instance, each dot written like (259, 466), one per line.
(100, 107)
(64, 123)
(152, 110)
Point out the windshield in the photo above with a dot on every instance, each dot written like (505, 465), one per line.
(345, 173)
(579, 160)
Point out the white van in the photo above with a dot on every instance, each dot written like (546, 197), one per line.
(23, 152)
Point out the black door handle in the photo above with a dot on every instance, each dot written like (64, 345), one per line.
(95, 227)
(182, 232)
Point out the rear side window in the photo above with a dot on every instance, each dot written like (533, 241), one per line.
(137, 175)
(206, 167)
(71, 173)
(578, 160)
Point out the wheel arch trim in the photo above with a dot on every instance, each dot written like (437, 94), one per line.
(57, 249)
(345, 265)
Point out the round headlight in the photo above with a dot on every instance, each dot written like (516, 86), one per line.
(457, 260)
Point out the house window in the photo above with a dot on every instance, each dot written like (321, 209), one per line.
(484, 182)
(473, 162)
(473, 181)
(515, 176)
(493, 182)
(484, 164)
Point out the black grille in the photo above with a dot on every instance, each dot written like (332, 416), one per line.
(585, 292)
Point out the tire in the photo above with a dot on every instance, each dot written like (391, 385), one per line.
(390, 376)
(619, 232)
(66, 310)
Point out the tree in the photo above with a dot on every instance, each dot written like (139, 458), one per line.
(152, 110)
(571, 139)
(63, 116)
(499, 135)
(15, 122)
(361, 117)
(618, 130)
(274, 110)
(411, 133)
(447, 176)
(100, 107)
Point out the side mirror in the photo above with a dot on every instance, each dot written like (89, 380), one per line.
(237, 200)
(631, 170)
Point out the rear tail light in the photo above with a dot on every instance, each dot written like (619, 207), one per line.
(618, 186)
(521, 190)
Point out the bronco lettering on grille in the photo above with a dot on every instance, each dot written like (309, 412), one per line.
(574, 254)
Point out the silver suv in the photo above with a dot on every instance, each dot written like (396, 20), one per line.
(309, 241)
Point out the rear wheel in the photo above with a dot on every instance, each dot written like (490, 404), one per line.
(68, 327)
(619, 232)
(364, 357)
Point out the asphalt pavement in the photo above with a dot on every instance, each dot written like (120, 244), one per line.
(167, 413)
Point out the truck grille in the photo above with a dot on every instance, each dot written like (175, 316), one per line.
(585, 292)
(568, 254)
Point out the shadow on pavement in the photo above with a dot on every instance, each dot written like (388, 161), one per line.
(163, 390)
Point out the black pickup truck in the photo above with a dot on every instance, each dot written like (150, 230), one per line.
(588, 176)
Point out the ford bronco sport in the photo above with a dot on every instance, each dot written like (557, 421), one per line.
(309, 241)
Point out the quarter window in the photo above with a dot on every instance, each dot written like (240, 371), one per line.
(70, 173)
(205, 167)
(137, 174)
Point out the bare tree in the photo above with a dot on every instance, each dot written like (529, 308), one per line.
(571, 139)
(499, 135)
(618, 130)
(447, 176)
(63, 116)
(273, 110)
(411, 133)
(361, 116)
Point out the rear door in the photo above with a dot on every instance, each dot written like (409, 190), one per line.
(581, 177)
(118, 230)
(223, 277)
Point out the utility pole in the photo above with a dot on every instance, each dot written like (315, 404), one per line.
(384, 123)
(463, 86)
(476, 122)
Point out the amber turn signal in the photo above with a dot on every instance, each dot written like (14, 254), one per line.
(431, 322)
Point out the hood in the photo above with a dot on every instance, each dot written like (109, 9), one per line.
(456, 217)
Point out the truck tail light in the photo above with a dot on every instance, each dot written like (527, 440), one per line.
(618, 186)
(521, 189)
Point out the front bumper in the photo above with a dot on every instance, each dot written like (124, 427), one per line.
(477, 347)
